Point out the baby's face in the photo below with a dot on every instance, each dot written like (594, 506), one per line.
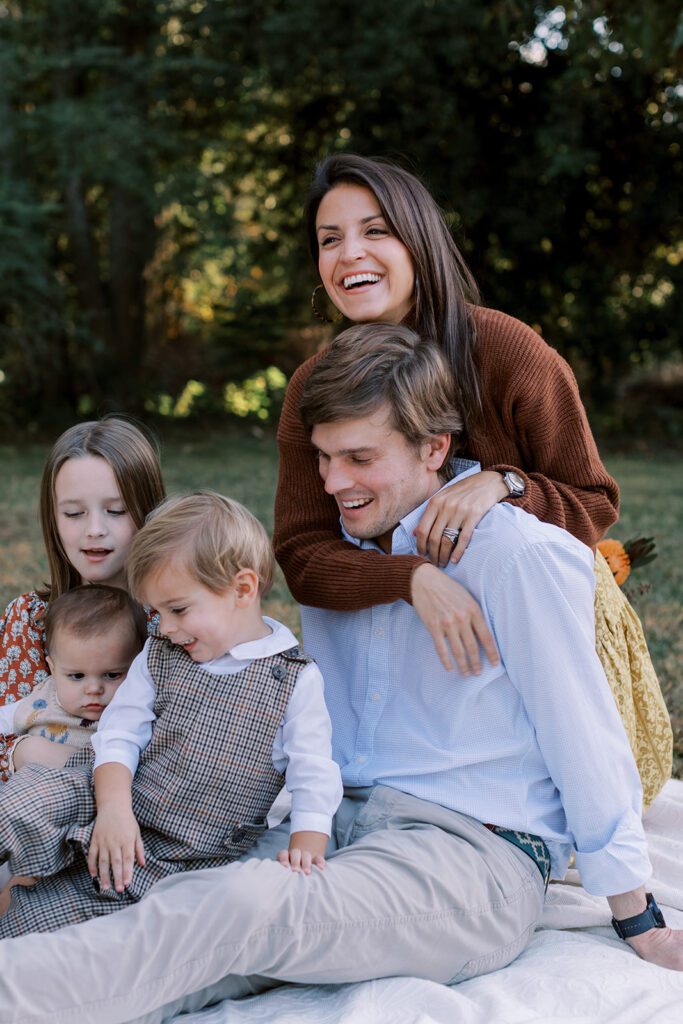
(89, 670)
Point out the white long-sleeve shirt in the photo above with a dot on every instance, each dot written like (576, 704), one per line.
(302, 745)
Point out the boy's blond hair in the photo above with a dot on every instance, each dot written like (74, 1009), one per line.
(212, 537)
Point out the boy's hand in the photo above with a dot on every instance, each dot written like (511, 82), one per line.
(305, 850)
(116, 845)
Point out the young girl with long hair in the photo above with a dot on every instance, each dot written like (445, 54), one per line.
(100, 481)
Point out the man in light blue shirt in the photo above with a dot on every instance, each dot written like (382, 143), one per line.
(532, 747)
(463, 793)
(500, 746)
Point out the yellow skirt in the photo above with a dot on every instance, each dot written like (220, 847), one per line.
(626, 660)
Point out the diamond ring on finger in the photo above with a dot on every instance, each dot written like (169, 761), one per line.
(451, 534)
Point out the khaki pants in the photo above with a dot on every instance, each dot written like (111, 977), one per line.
(410, 888)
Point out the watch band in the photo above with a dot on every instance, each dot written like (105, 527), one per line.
(651, 917)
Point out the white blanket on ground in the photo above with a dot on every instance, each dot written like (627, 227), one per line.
(575, 968)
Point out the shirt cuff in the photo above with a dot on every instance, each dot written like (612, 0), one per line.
(309, 821)
(622, 865)
(127, 754)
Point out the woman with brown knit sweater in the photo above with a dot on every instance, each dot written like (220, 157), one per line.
(384, 253)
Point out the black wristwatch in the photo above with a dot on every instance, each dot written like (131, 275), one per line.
(514, 483)
(651, 917)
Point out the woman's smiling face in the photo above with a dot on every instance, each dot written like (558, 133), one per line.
(366, 271)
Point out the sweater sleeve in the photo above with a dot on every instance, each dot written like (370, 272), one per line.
(534, 422)
(540, 406)
(22, 647)
(321, 569)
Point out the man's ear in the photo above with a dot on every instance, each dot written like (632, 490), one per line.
(436, 448)
(246, 587)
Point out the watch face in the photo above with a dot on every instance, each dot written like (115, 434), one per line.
(515, 484)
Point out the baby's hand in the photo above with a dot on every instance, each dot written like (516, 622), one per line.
(116, 845)
(39, 750)
(305, 850)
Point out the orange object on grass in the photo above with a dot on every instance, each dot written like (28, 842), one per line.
(616, 557)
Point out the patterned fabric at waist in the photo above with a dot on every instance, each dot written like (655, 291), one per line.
(533, 846)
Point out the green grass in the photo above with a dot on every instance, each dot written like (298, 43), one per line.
(245, 467)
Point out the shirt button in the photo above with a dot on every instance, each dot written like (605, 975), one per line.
(360, 759)
(379, 631)
(375, 696)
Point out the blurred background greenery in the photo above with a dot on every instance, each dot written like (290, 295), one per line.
(154, 158)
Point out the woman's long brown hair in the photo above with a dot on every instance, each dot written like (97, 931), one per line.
(444, 285)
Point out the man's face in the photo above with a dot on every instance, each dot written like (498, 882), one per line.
(375, 474)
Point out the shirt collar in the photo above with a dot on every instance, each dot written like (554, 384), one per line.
(403, 539)
(279, 639)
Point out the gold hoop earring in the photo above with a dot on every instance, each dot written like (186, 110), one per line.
(323, 316)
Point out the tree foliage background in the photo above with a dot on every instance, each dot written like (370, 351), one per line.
(154, 157)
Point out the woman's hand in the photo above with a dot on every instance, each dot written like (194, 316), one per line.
(115, 846)
(459, 507)
(453, 618)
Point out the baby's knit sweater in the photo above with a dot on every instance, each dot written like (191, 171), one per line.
(41, 714)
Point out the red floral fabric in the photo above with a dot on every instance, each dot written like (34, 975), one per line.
(22, 657)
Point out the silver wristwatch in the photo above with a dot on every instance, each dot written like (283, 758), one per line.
(514, 483)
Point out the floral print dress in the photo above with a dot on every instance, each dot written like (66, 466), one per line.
(22, 657)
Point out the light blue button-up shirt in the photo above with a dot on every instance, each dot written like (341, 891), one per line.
(535, 743)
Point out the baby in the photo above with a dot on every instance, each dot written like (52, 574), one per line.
(215, 714)
(93, 633)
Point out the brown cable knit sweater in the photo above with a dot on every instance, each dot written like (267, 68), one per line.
(534, 422)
